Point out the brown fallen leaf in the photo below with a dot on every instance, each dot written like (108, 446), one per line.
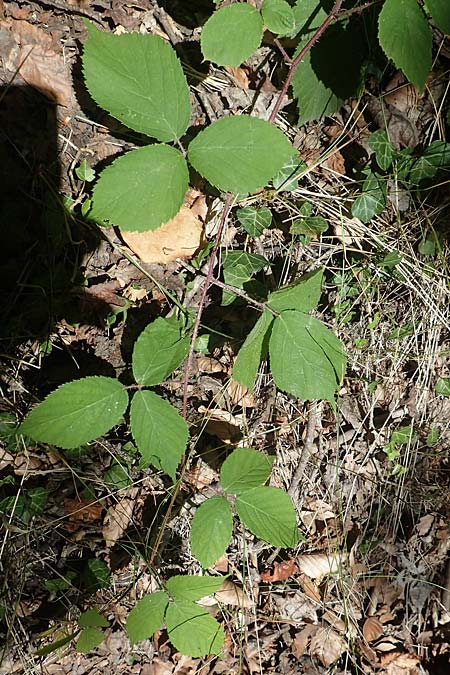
(301, 640)
(230, 594)
(372, 629)
(240, 395)
(81, 512)
(327, 646)
(118, 518)
(281, 571)
(316, 565)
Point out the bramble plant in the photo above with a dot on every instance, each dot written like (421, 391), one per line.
(139, 81)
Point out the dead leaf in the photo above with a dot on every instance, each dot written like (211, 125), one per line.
(301, 640)
(327, 646)
(240, 395)
(316, 565)
(5, 459)
(222, 424)
(118, 518)
(207, 364)
(239, 76)
(281, 571)
(230, 594)
(372, 629)
(80, 512)
(180, 237)
(201, 475)
(335, 163)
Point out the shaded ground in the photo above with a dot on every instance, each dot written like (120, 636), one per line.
(368, 590)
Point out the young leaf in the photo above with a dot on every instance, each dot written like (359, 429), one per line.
(383, 149)
(311, 226)
(92, 619)
(147, 616)
(141, 190)
(89, 639)
(306, 359)
(278, 16)
(188, 587)
(138, 80)
(372, 200)
(405, 37)
(211, 529)
(269, 514)
(161, 434)
(253, 220)
(303, 295)
(158, 351)
(192, 631)
(253, 351)
(244, 469)
(443, 386)
(231, 35)
(241, 153)
(238, 267)
(440, 11)
(77, 412)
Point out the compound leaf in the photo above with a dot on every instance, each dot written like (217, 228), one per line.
(244, 469)
(158, 351)
(405, 37)
(231, 34)
(161, 434)
(77, 412)
(139, 81)
(252, 351)
(278, 16)
(303, 295)
(269, 514)
(240, 153)
(142, 189)
(440, 11)
(211, 529)
(306, 359)
(188, 587)
(147, 616)
(192, 630)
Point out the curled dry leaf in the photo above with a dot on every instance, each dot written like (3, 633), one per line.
(372, 629)
(316, 565)
(207, 364)
(327, 646)
(309, 587)
(230, 594)
(281, 571)
(240, 395)
(222, 424)
(118, 518)
(81, 512)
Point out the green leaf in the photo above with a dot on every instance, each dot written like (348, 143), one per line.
(92, 619)
(278, 16)
(253, 220)
(309, 15)
(95, 575)
(89, 639)
(141, 190)
(36, 499)
(77, 412)
(440, 11)
(405, 37)
(53, 646)
(306, 359)
(192, 631)
(238, 267)
(241, 153)
(372, 200)
(147, 616)
(252, 351)
(231, 35)
(435, 157)
(269, 514)
(211, 529)
(158, 351)
(311, 226)
(84, 172)
(138, 80)
(117, 477)
(287, 178)
(303, 295)
(245, 469)
(383, 149)
(161, 434)
(188, 587)
(443, 386)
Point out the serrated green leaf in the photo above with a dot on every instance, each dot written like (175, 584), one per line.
(269, 514)
(372, 200)
(443, 386)
(211, 529)
(161, 434)
(158, 351)
(188, 587)
(311, 226)
(288, 176)
(309, 16)
(192, 630)
(147, 616)
(231, 35)
(240, 153)
(142, 189)
(89, 639)
(405, 37)
(440, 11)
(92, 619)
(253, 220)
(77, 412)
(306, 359)
(245, 469)
(253, 351)
(383, 149)
(139, 80)
(278, 16)
(303, 295)
(238, 268)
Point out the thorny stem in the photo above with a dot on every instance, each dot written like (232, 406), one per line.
(301, 55)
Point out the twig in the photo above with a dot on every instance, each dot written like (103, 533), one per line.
(309, 447)
(71, 9)
(294, 63)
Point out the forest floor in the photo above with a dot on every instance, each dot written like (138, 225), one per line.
(367, 590)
